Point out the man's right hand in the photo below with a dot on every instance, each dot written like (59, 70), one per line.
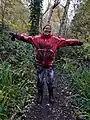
(13, 35)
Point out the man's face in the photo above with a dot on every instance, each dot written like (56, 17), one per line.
(47, 30)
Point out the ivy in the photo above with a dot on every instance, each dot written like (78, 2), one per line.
(35, 9)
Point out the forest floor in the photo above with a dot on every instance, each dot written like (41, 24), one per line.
(60, 110)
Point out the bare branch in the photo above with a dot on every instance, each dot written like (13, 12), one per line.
(49, 3)
(56, 3)
(61, 5)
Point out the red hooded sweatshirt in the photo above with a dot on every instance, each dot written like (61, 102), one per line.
(46, 46)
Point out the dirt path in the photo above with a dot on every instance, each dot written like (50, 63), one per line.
(60, 110)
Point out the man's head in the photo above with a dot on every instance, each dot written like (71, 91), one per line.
(47, 29)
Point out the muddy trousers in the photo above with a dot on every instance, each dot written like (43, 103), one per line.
(45, 75)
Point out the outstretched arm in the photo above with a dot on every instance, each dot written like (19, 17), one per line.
(21, 37)
(72, 42)
(68, 42)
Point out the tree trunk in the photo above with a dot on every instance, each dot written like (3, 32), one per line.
(35, 8)
(64, 18)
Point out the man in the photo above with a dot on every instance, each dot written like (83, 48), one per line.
(46, 46)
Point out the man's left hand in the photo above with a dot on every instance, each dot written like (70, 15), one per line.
(81, 43)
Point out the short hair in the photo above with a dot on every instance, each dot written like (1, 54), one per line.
(47, 25)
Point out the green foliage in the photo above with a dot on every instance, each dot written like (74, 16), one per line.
(74, 64)
(1, 96)
(35, 8)
(16, 93)
(77, 66)
(81, 22)
(14, 14)
(17, 79)
(78, 77)
(80, 84)
(86, 51)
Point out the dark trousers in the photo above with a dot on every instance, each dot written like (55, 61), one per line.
(45, 75)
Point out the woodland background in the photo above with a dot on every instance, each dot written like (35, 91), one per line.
(17, 70)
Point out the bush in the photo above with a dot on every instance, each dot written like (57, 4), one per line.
(17, 78)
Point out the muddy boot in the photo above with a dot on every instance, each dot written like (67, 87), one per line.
(40, 96)
(51, 98)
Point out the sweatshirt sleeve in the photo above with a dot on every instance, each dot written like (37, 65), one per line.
(25, 38)
(68, 42)
(72, 42)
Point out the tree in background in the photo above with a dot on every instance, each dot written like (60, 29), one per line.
(36, 10)
(80, 25)
(14, 17)
(15, 14)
